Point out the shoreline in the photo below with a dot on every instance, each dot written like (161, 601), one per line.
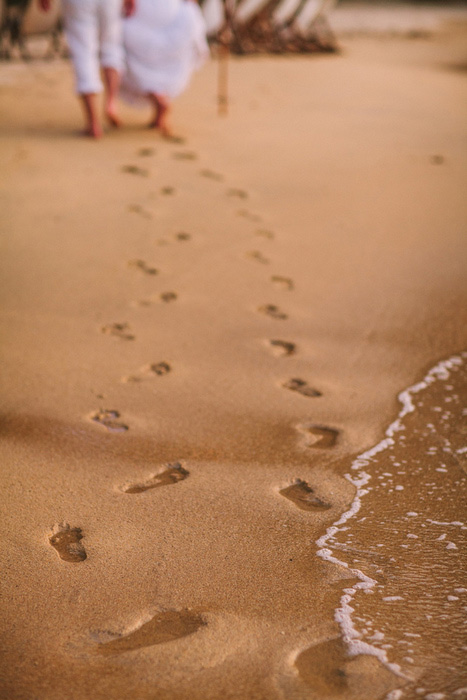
(343, 615)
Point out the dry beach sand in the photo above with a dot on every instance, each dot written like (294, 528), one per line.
(198, 341)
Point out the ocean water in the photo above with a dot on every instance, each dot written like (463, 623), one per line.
(404, 542)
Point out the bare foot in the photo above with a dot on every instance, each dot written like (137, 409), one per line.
(165, 131)
(94, 131)
(161, 106)
(112, 82)
(112, 117)
(91, 119)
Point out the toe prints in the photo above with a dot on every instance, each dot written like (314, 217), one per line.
(162, 628)
(301, 387)
(171, 475)
(303, 496)
(110, 420)
(66, 541)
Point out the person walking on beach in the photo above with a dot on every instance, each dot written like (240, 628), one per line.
(164, 41)
(94, 34)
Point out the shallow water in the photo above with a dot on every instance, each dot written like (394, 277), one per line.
(404, 538)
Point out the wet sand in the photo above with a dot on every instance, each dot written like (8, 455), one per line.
(198, 341)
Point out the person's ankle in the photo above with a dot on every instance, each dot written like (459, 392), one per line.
(94, 130)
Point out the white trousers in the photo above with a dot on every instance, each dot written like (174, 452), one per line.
(94, 34)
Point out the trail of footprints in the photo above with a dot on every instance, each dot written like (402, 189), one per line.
(166, 626)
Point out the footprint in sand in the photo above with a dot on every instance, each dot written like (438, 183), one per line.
(121, 330)
(66, 540)
(110, 420)
(264, 233)
(248, 215)
(145, 152)
(184, 155)
(303, 496)
(282, 348)
(211, 175)
(182, 236)
(322, 667)
(171, 475)
(258, 256)
(301, 387)
(135, 170)
(138, 209)
(284, 282)
(319, 436)
(234, 192)
(168, 297)
(157, 368)
(143, 267)
(273, 311)
(173, 138)
(162, 628)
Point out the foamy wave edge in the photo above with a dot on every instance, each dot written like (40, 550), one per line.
(343, 614)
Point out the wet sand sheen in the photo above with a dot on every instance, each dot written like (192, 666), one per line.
(405, 537)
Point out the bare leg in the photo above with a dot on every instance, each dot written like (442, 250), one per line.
(161, 106)
(93, 127)
(112, 84)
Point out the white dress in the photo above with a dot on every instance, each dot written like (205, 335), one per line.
(164, 41)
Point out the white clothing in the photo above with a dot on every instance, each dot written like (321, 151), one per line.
(94, 35)
(164, 41)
